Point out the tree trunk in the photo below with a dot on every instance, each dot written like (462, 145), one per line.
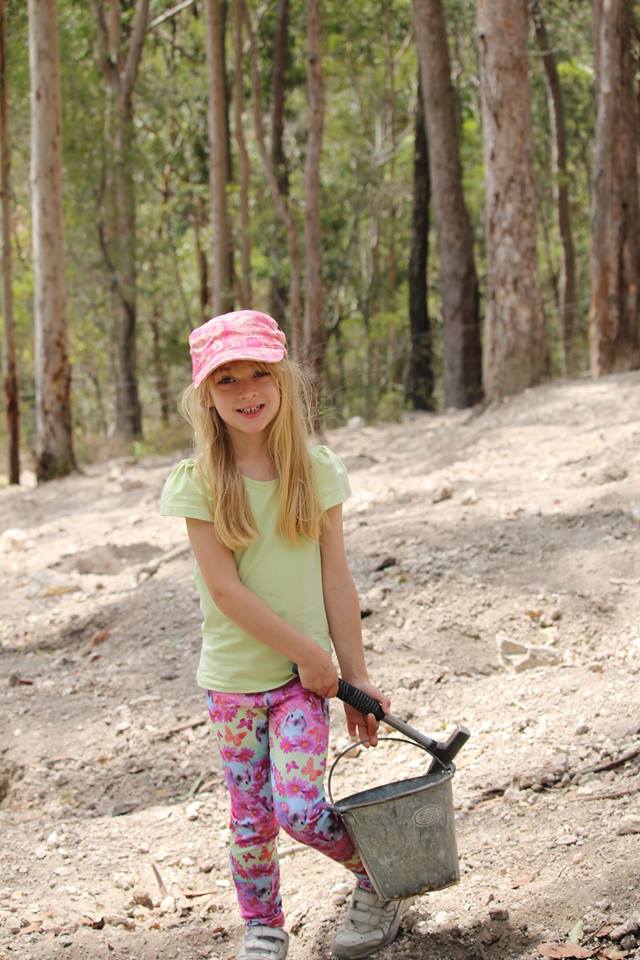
(514, 344)
(561, 190)
(244, 280)
(54, 442)
(159, 367)
(218, 153)
(615, 264)
(204, 292)
(281, 201)
(128, 410)
(315, 344)
(420, 376)
(278, 290)
(119, 243)
(11, 396)
(458, 280)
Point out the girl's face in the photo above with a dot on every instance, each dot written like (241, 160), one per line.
(245, 396)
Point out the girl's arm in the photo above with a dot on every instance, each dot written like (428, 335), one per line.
(343, 613)
(252, 614)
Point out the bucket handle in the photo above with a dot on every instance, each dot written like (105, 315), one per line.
(360, 743)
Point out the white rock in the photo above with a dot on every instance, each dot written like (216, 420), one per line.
(14, 539)
(192, 810)
(40, 852)
(167, 905)
(469, 497)
(629, 824)
(356, 423)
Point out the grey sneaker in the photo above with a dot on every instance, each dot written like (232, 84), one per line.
(370, 923)
(264, 943)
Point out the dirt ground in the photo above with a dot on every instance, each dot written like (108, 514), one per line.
(497, 558)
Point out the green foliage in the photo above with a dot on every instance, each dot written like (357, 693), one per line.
(367, 174)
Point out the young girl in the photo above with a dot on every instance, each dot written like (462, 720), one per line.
(264, 518)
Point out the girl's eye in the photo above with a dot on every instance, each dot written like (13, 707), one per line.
(262, 373)
(224, 380)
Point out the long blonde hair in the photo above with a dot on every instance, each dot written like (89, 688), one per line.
(299, 512)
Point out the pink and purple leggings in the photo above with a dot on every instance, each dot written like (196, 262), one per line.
(274, 752)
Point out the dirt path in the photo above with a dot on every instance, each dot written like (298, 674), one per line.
(475, 540)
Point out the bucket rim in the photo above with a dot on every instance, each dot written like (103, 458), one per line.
(448, 769)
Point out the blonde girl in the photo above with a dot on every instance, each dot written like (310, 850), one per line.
(263, 509)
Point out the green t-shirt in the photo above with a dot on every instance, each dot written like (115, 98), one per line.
(288, 577)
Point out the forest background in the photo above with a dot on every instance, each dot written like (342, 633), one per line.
(380, 316)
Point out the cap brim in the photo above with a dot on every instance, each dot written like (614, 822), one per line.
(259, 354)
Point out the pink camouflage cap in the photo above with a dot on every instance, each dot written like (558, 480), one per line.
(241, 335)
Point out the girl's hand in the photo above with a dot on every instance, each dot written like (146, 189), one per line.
(365, 727)
(318, 674)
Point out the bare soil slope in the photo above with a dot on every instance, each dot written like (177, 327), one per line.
(497, 559)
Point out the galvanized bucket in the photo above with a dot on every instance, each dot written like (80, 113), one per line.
(404, 831)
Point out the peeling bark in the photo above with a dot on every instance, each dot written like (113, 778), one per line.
(514, 342)
(615, 249)
(54, 442)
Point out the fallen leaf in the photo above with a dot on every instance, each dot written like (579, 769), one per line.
(58, 591)
(33, 927)
(557, 951)
(96, 923)
(603, 931)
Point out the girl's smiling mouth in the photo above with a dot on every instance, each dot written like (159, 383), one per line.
(251, 411)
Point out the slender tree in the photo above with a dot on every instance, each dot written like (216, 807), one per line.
(278, 291)
(514, 342)
(458, 280)
(281, 200)
(615, 253)
(561, 192)
(11, 405)
(120, 70)
(420, 377)
(218, 156)
(244, 278)
(54, 446)
(314, 329)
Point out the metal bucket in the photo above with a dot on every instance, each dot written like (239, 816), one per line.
(404, 831)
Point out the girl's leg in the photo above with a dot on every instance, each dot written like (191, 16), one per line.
(298, 740)
(240, 723)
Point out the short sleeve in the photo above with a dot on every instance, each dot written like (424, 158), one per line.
(331, 477)
(182, 494)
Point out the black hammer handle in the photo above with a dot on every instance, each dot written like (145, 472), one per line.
(363, 703)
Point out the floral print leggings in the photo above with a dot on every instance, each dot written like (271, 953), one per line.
(274, 753)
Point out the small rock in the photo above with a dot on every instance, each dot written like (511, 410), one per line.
(442, 493)
(629, 824)
(356, 423)
(40, 852)
(122, 881)
(206, 866)
(582, 729)
(632, 925)
(192, 811)
(499, 913)
(440, 917)
(142, 899)
(469, 498)
(567, 839)
(167, 905)
(629, 942)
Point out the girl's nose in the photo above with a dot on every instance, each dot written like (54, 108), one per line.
(247, 389)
